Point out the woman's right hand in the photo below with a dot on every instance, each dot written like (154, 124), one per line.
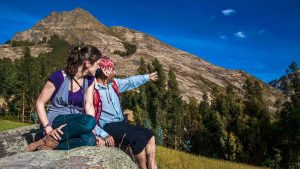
(55, 133)
(153, 76)
(109, 141)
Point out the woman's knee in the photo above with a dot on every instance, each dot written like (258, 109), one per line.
(88, 122)
(152, 140)
(89, 139)
(139, 143)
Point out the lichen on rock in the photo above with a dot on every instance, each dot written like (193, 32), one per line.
(12, 143)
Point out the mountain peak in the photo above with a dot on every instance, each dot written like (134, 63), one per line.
(77, 17)
(80, 11)
(67, 24)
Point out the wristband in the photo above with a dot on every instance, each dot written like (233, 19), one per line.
(47, 125)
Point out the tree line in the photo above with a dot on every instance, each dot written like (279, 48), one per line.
(228, 127)
(22, 80)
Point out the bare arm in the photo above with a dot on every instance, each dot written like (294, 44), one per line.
(43, 98)
(89, 107)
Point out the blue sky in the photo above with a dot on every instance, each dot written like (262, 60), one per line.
(259, 37)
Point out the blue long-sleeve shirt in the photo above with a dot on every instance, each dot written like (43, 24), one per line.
(111, 107)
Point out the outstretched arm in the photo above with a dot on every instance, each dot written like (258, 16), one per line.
(133, 82)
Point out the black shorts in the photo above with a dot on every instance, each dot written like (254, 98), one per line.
(135, 136)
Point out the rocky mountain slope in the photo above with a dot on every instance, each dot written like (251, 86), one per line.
(195, 75)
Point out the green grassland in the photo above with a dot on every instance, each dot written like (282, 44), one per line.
(6, 125)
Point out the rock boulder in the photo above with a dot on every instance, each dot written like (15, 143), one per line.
(12, 143)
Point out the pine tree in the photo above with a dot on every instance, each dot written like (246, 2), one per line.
(257, 133)
(25, 75)
(204, 106)
(161, 81)
(173, 105)
(150, 94)
(211, 141)
(142, 99)
(254, 102)
(159, 138)
(192, 117)
(143, 67)
(140, 115)
(289, 124)
(153, 104)
(8, 82)
(147, 123)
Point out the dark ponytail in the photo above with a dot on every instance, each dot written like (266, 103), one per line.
(77, 57)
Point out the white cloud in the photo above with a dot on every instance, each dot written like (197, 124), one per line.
(240, 35)
(223, 37)
(228, 12)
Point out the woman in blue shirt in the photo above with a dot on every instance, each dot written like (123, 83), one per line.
(112, 127)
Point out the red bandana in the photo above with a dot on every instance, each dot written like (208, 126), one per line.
(106, 65)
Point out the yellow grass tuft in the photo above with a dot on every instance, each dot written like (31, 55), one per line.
(168, 158)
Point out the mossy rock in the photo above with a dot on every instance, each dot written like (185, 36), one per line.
(13, 142)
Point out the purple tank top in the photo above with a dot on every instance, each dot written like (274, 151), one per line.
(57, 79)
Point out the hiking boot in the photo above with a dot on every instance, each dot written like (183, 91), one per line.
(44, 148)
(46, 143)
(34, 145)
(50, 142)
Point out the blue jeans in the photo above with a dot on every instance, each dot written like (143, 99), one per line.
(77, 132)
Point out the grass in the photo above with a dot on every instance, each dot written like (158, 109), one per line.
(167, 158)
(6, 125)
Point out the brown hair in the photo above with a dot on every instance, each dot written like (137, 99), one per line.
(77, 57)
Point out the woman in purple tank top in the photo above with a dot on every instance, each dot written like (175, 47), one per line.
(69, 121)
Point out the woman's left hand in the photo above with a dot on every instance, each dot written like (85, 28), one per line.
(153, 76)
